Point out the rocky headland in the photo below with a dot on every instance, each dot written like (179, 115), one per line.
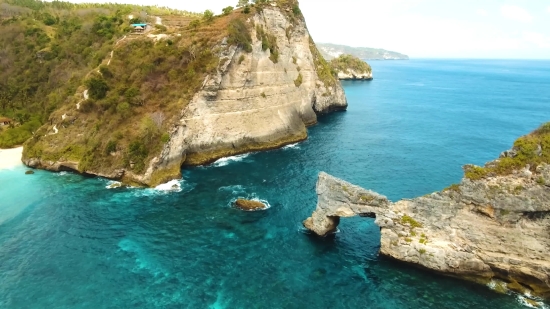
(267, 82)
(492, 228)
(330, 51)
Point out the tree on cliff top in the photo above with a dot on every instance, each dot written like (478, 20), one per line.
(242, 3)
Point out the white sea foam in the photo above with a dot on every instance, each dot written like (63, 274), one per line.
(62, 173)
(531, 303)
(171, 186)
(236, 189)
(225, 161)
(292, 146)
(113, 184)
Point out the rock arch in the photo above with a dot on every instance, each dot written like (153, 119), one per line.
(338, 198)
(492, 230)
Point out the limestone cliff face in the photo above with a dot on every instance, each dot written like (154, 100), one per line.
(251, 103)
(254, 103)
(497, 228)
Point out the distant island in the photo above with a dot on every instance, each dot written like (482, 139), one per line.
(330, 51)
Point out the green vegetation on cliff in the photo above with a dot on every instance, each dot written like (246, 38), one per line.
(532, 149)
(47, 50)
(349, 62)
(135, 92)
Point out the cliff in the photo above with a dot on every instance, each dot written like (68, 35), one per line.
(245, 81)
(492, 230)
(330, 51)
(348, 67)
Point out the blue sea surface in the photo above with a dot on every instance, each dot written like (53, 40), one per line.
(66, 241)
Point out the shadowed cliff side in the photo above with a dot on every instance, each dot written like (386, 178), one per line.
(493, 229)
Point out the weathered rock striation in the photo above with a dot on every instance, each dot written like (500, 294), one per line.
(256, 104)
(253, 101)
(496, 228)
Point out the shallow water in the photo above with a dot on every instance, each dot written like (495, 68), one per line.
(67, 241)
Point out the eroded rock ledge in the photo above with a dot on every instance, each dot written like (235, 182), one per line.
(496, 228)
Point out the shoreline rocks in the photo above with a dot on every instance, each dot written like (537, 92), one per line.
(494, 228)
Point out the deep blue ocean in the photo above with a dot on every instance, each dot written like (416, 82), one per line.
(67, 241)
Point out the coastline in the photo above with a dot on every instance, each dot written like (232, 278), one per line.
(10, 158)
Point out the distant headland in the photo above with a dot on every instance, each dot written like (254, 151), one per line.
(330, 51)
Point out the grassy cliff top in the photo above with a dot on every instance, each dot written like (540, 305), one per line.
(532, 149)
(349, 62)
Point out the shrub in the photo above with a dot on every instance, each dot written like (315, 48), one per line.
(532, 149)
(227, 10)
(296, 10)
(208, 15)
(111, 147)
(454, 187)
(123, 109)
(160, 27)
(165, 138)
(298, 80)
(239, 35)
(269, 41)
(410, 221)
(194, 24)
(97, 88)
(105, 72)
(475, 172)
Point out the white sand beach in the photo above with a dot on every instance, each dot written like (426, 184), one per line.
(10, 158)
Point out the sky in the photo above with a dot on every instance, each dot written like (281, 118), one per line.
(498, 29)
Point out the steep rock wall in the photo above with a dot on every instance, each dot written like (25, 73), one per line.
(253, 101)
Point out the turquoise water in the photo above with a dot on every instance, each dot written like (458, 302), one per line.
(68, 242)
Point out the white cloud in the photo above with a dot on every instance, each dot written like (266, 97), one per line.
(515, 13)
(538, 39)
(548, 9)
(481, 12)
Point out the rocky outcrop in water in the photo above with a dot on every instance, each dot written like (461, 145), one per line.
(348, 67)
(493, 229)
(249, 205)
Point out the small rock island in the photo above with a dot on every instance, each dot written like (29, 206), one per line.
(348, 67)
(250, 205)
